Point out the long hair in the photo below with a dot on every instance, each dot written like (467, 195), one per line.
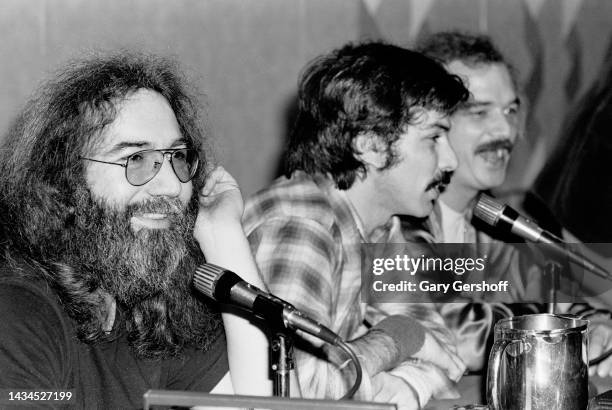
(41, 170)
(367, 88)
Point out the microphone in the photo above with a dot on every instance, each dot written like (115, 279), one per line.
(508, 220)
(225, 286)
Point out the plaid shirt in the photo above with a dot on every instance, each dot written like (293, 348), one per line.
(306, 240)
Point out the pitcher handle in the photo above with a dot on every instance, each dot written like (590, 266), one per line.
(493, 373)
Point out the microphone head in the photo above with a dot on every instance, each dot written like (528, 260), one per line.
(488, 210)
(206, 277)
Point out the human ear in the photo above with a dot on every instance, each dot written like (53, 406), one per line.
(370, 149)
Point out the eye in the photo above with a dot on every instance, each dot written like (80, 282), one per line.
(511, 110)
(180, 155)
(478, 113)
(136, 157)
(432, 140)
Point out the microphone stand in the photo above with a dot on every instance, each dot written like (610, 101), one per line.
(281, 347)
(279, 317)
(552, 270)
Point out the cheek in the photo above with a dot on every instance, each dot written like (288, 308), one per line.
(418, 177)
(466, 134)
(421, 169)
(119, 195)
(464, 153)
(186, 192)
(109, 186)
(467, 160)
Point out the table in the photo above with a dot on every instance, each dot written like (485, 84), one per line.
(472, 391)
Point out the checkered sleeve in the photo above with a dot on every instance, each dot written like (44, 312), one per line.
(297, 258)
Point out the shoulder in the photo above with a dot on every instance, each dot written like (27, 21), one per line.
(300, 197)
(35, 333)
(23, 293)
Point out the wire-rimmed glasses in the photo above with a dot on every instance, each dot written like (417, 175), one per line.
(142, 166)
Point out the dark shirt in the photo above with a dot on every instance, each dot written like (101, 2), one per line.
(39, 351)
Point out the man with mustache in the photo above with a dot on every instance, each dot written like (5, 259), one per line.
(483, 132)
(485, 128)
(370, 141)
(108, 203)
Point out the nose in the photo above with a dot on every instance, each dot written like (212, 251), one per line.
(165, 183)
(502, 125)
(447, 160)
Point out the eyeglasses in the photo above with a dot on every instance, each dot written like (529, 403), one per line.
(142, 166)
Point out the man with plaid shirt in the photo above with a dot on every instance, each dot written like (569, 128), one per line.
(370, 141)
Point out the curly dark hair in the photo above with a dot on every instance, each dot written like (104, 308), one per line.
(365, 88)
(41, 173)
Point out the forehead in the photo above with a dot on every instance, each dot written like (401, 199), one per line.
(486, 82)
(144, 119)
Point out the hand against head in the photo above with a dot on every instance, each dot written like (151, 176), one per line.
(221, 204)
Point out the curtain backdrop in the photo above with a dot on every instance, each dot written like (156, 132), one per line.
(246, 55)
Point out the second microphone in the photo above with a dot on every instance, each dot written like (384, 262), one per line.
(225, 286)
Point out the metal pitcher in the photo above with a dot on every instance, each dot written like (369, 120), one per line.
(539, 362)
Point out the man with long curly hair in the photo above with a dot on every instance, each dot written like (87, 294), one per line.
(108, 202)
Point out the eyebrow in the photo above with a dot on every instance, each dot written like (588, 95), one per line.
(441, 125)
(139, 144)
(472, 104)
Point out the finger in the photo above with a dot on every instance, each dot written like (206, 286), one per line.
(211, 180)
(447, 362)
(441, 385)
(457, 369)
(219, 181)
(460, 368)
(450, 363)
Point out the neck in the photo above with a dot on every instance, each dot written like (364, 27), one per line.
(367, 205)
(459, 198)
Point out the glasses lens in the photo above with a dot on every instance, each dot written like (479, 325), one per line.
(142, 166)
(185, 163)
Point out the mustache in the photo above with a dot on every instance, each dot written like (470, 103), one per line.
(494, 145)
(173, 207)
(441, 179)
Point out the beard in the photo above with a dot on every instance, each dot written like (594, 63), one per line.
(149, 272)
